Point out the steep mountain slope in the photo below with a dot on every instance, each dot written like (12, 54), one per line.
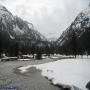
(17, 35)
(14, 27)
(81, 28)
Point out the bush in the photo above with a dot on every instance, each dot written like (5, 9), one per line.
(39, 56)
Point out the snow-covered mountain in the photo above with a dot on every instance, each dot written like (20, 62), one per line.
(15, 28)
(80, 26)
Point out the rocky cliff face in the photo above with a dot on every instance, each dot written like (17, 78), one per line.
(15, 28)
(80, 27)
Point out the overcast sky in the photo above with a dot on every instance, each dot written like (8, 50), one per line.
(50, 17)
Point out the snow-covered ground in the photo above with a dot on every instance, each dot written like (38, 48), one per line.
(72, 72)
(24, 59)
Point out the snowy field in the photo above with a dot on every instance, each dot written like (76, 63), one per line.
(67, 72)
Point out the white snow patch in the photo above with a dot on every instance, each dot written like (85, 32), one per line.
(12, 37)
(17, 30)
(72, 72)
(24, 69)
(24, 59)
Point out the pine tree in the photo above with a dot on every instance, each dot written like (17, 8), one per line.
(39, 53)
(73, 44)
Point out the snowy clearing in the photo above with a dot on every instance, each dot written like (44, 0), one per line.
(67, 72)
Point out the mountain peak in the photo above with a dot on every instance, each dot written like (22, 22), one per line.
(16, 28)
(86, 11)
(80, 24)
(4, 13)
(2, 7)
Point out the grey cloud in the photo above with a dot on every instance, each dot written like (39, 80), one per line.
(52, 22)
(3, 0)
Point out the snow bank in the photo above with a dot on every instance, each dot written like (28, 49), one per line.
(72, 72)
(24, 59)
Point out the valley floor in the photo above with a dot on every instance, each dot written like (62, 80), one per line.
(66, 73)
(26, 75)
(32, 80)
